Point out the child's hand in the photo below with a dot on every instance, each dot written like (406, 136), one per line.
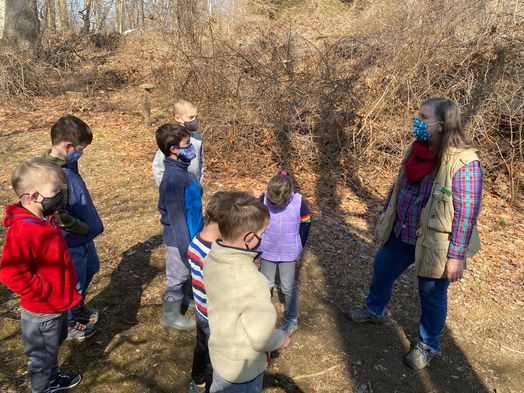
(286, 342)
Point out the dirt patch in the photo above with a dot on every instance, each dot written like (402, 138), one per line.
(483, 346)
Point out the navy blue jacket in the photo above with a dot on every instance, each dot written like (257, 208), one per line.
(80, 205)
(180, 205)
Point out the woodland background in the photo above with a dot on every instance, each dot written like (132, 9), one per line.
(327, 89)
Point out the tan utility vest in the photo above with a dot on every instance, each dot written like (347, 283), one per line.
(436, 219)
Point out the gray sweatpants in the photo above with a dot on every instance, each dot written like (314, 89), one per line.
(43, 334)
(177, 273)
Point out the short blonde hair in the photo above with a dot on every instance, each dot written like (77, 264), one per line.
(35, 171)
(181, 106)
(241, 212)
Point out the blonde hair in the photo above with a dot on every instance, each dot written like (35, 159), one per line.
(181, 106)
(34, 172)
(241, 212)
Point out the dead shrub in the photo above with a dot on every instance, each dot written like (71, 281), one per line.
(339, 90)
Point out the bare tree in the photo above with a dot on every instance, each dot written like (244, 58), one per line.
(119, 12)
(50, 15)
(20, 24)
(64, 16)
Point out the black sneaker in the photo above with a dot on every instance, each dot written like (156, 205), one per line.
(85, 315)
(64, 382)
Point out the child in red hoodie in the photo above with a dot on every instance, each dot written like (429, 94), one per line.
(37, 265)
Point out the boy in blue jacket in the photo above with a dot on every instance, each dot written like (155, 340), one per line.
(180, 206)
(79, 219)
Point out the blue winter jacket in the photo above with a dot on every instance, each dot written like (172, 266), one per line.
(180, 205)
(80, 205)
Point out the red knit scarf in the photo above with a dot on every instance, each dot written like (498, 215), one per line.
(420, 162)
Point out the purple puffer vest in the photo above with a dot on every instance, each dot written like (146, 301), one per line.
(281, 239)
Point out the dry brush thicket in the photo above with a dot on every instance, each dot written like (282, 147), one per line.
(338, 83)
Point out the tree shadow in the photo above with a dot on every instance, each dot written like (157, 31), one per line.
(374, 353)
(119, 303)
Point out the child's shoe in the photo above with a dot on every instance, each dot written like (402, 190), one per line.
(194, 388)
(74, 333)
(420, 356)
(64, 382)
(171, 316)
(86, 315)
(289, 327)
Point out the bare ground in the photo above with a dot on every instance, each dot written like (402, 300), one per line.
(483, 346)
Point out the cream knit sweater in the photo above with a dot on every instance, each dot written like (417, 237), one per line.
(241, 315)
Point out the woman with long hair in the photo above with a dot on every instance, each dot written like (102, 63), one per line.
(429, 220)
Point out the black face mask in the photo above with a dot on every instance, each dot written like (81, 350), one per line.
(192, 125)
(51, 204)
(258, 243)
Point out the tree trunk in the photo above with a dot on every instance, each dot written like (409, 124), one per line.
(64, 16)
(19, 24)
(50, 15)
(119, 10)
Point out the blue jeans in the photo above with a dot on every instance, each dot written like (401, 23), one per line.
(390, 262)
(87, 264)
(220, 385)
(288, 284)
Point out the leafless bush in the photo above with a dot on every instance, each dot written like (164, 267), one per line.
(323, 85)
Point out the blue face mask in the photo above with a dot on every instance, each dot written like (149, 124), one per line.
(420, 130)
(74, 156)
(186, 154)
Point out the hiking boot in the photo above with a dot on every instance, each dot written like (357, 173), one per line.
(420, 356)
(171, 316)
(364, 314)
(194, 388)
(64, 382)
(85, 315)
(289, 327)
(74, 333)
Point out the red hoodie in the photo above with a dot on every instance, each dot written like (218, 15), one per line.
(36, 263)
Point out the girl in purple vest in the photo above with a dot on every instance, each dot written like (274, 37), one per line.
(283, 240)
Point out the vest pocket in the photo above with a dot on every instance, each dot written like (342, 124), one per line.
(441, 214)
(436, 247)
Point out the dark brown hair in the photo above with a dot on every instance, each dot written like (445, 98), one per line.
(453, 135)
(241, 212)
(280, 188)
(214, 206)
(71, 129)
(169, 135)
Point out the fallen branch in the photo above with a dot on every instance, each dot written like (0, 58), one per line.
(303, 376)
(512, 350)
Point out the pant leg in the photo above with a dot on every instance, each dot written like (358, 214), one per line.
(269, 270)
(434, 307)
(92, 265)
(41, 344)
(390, 262)
(79, 257)
(200, 372)
(62, 336)
(177, 273)
(288, 284)
(220, 385)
